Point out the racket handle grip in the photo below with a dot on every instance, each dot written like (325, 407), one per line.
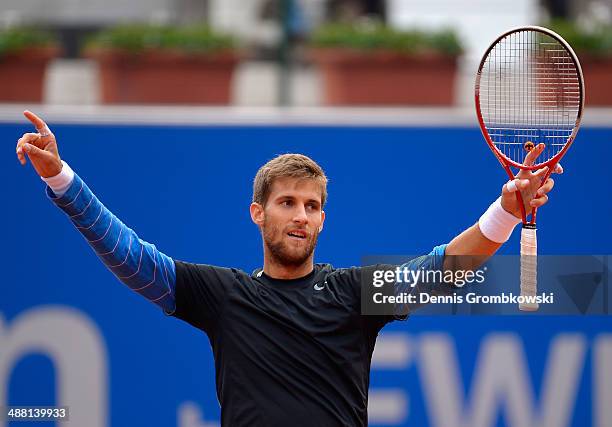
(529, 267)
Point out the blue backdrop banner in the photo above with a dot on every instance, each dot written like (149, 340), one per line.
(71, 335)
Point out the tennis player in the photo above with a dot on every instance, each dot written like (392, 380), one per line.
(291, 347)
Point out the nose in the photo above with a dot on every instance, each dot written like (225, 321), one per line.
(300, 216)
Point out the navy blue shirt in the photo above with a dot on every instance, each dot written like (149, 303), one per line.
(287, 352)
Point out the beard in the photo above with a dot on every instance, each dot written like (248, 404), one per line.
(284, 254)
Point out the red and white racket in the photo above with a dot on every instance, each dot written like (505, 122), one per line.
(529, 90)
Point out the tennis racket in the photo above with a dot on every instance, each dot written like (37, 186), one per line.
(529, 90)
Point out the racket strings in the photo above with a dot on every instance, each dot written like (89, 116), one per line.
(529, 91)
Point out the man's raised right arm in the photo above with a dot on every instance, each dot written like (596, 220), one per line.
(136, 263)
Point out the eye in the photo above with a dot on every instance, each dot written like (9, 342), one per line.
(286, 203)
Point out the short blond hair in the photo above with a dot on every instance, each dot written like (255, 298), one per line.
(287, 165)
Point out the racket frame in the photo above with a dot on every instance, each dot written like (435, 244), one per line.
(505, 161)
(528, 234)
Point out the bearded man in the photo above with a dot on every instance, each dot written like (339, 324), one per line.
(290, 342)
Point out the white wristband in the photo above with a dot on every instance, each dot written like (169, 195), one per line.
(496, 224)
(61, 182)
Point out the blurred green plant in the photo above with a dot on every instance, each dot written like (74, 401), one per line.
(136, 38)
(14, 40)
(596, 41)
(375, 36)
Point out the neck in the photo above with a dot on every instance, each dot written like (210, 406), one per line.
(276, 270)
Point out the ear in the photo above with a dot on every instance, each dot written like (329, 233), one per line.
(257, 213)
(322, 221)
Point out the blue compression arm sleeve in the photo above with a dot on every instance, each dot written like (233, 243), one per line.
(134, 262)
(434, 261)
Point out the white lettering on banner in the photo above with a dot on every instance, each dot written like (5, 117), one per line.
(564, 368)
(190, 415)
(76, 348)
(500, 383)
(388, 406)
(602, 381)
(440, 373)
(392, 351)
(501, 380)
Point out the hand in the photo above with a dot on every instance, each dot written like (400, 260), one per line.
(40, 148)
(528, 183)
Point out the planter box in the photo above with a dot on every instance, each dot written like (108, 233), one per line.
(597, 79)
(165, 77)
(386, 78)
(22, 74)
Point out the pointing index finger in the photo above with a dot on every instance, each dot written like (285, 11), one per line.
(36, 121)
(531, 157)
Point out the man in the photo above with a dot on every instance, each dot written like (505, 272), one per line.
(291, 346)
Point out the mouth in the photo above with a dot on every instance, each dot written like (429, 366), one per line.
(297, 234)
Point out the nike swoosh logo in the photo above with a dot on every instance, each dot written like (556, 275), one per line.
(319, 287)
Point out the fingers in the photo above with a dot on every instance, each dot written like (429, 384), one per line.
(548, 185)
(38, 123)
(539, 202)
(531, 157)
(33, 151)
(541, 195)
(558, 170)
(514, 185)
(20, 155)
(27, 138)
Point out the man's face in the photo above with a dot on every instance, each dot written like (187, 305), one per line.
(292, 219)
